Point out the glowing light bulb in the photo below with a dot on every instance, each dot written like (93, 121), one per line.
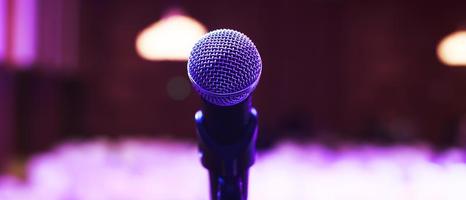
(171, 38)
(452, 49)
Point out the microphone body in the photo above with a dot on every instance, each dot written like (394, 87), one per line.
(224, 67)
(227, 138)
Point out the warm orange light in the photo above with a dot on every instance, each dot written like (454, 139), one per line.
(171, 38)
(452, 49)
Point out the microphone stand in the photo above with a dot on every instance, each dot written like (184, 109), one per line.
(228, 164)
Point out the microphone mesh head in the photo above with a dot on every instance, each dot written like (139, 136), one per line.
(224, 67)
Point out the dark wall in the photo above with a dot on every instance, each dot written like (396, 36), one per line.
(7, 122)
(343, 69)
(393, 78)
(38, 109)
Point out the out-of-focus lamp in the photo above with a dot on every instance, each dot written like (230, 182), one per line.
(452, 49)
(170, 38)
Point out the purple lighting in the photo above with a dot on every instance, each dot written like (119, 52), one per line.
(3, 29)
(25, 33)
(162, 169)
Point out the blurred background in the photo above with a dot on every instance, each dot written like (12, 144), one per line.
(335, 72)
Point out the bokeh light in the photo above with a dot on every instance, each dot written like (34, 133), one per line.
(178, 88)
(452, 49)
(171, 38)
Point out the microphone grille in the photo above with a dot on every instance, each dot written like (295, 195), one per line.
(224, 67)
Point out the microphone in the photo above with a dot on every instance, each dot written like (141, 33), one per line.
(224, 68)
